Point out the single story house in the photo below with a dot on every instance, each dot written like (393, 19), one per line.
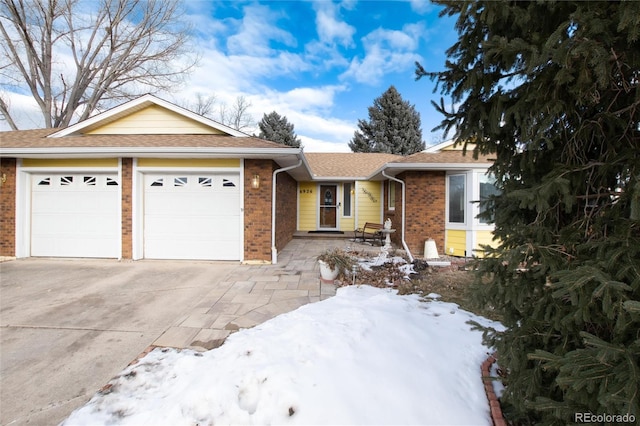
(148, 179)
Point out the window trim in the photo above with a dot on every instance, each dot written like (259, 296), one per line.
(391, 205)
(478, 184)
(464, 201)
(347, 194)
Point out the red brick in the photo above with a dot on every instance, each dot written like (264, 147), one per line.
(8, 207)
(425, 215)
(127, 208)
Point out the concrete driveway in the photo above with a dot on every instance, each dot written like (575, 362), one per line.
(68, 326)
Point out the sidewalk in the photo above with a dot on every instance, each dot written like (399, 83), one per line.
(253, 294)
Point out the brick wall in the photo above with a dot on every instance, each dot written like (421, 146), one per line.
(425, 216)
(8, 207)
(127, 210)
(286, 209)
(257, 210)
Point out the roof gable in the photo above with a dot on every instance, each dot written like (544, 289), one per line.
(154, 120)
(450, 145)
(125, 119)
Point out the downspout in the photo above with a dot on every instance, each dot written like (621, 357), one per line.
(404, 198)
(274, 250)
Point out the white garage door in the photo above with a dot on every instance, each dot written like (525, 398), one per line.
(189, 216)
(75, 215)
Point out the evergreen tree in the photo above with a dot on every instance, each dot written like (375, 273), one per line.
(552, 91)
(275, 128)
(393, 127)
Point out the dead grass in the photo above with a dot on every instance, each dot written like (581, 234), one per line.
(452, 283)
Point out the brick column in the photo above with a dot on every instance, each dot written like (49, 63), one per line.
(257, 211)
(8, 207)
(127, 210)
(425, 215)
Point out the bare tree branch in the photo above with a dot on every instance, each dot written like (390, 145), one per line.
(4, 112)
(75, 61)
(237, 116)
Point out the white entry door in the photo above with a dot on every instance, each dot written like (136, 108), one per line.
(192, 216)
(75, 215)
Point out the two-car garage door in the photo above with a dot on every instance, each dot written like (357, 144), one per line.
(184, 216)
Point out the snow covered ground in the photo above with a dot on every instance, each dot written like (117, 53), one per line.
(365, 356)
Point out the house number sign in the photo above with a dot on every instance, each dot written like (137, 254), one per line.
(370, 195)
(306, 191)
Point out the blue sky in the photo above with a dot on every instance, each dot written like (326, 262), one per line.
(319, 63)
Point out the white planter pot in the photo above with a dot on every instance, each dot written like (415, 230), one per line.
(327, 274)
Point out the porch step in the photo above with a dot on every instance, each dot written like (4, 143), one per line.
(323, 235)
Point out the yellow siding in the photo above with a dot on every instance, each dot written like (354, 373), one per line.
(154, 120)
(307, 199)
(483, 238)
(347, 224)
(455, 242)
(70, 162)
(369, 200)
(188, 162)
(459, 147)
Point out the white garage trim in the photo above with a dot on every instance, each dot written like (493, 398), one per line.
(142, 232)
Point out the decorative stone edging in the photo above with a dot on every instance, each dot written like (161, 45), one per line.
(494, 404)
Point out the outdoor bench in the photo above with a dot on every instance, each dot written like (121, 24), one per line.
(370, 231)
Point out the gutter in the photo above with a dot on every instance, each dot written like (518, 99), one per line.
(274, 250)
(404, 198)
(141, 152)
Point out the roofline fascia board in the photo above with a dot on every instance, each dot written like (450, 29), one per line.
(97, 152)
(149, 100)
(337, 178)
(437, 166)
(401, 167)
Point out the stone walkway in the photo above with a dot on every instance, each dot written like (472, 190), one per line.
(253, 294)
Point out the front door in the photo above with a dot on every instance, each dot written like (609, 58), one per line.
(328, 206)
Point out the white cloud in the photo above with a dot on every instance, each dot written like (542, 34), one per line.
(421, 6)
(256, 31)
(386, 51)
(324, 56)
(331, 30)
(24, 110)
(316, 145)
(309, 110)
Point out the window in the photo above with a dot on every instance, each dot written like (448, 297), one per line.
(205, 181)
(89, 180)
(487, 190)
(228, 184)
(157, 182)
(45, 182)
(346, 199)
(180, 181)
(456, 198)
(66, 180)
(392, 195)
(112, 182)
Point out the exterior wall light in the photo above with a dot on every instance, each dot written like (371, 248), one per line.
(255, 182)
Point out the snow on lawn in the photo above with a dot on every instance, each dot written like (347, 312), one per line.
(365, 356)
